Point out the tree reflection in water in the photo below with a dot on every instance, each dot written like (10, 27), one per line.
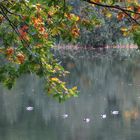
(105, 84)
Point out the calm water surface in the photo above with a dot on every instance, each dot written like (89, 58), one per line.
(108, 107)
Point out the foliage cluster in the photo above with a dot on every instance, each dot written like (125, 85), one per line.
(28, 30)
(101, 28)
(106, 34)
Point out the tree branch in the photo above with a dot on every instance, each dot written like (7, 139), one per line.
(117, 7)
(112, 7)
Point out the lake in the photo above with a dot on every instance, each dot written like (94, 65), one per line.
(108, 106)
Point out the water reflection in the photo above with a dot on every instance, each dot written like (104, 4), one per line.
(108, 106)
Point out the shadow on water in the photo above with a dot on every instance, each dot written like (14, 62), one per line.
(108, 107)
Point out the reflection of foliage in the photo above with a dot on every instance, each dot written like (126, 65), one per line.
(28, 30)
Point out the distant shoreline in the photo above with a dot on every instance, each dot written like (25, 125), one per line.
(77, 47)
(73, 51)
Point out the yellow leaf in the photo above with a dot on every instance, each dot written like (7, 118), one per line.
(124, 29)
(97, 1)
(55, 79)
(125, 33)
(108, 14)
(74, 88)
(55, 31)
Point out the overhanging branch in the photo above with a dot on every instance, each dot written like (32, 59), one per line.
(112, 7)
(117, 7)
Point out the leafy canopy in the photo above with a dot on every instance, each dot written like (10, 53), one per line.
(29, 29)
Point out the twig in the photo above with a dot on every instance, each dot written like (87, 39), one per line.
(124, 10)
(10, 11)
(112, 6)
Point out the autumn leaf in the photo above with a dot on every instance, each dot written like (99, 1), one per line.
(20, 58)
(10, 51)
(120, 16)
